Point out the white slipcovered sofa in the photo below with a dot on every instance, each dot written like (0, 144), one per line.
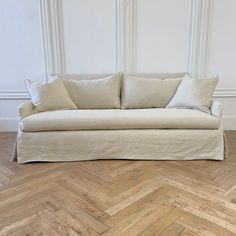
(119, 133)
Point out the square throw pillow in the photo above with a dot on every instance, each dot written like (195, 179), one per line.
(147, 92)
(194, 94)
(49, 96)
(95, 93)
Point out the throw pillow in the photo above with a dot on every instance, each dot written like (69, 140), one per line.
(194, 94)
(148, 93)
(49, 96)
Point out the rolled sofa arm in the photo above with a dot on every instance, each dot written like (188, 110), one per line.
(216, 109)
(26, 109)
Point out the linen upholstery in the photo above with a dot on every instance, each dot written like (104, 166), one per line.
(128, 143)
(216, 109)
(148, 144)
(102, 76)
(194, 94)
(26, 109)
(156, 75)
(79, 77)
(147, 93)
(49, 96)
(95, 94)
(160, 118)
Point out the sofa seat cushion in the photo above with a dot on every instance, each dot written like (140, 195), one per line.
(158, 118)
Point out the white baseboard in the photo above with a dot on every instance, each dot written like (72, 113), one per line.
(8, 124)
(11, 124)
(229, 122)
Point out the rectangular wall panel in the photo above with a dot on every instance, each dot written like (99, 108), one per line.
(21, 47)
(221, 55)
(21, 55)
(162, 42)
(222, 43)
(89, 35)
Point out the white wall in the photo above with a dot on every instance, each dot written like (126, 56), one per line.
(162, 35)
(89, 35)
(39, 37)
(21, 55)
(222, 55)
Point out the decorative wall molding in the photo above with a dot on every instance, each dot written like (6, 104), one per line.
(126, 37)
(200, 14)
(120, 39)
(51, 18)
(131, 36)
(204, 37)
(53, 45)
(47, 42)
(14, 95)
(198, 37)
(225, 93)
(126, 29)
(200, 19)
(198, 32)
(193, 37)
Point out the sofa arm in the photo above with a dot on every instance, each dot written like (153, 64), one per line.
(26, 109)
(216, 109)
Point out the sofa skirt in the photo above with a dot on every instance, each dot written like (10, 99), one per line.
(166, 144)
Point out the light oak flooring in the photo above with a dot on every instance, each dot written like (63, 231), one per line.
(121, 197)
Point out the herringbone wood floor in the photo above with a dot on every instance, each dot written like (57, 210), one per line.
(117, 197)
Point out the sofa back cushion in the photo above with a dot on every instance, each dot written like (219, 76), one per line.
(102, 76)
(82, 76)
(148, 92)
(95, 93)
(49, 96)
(157, 75)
